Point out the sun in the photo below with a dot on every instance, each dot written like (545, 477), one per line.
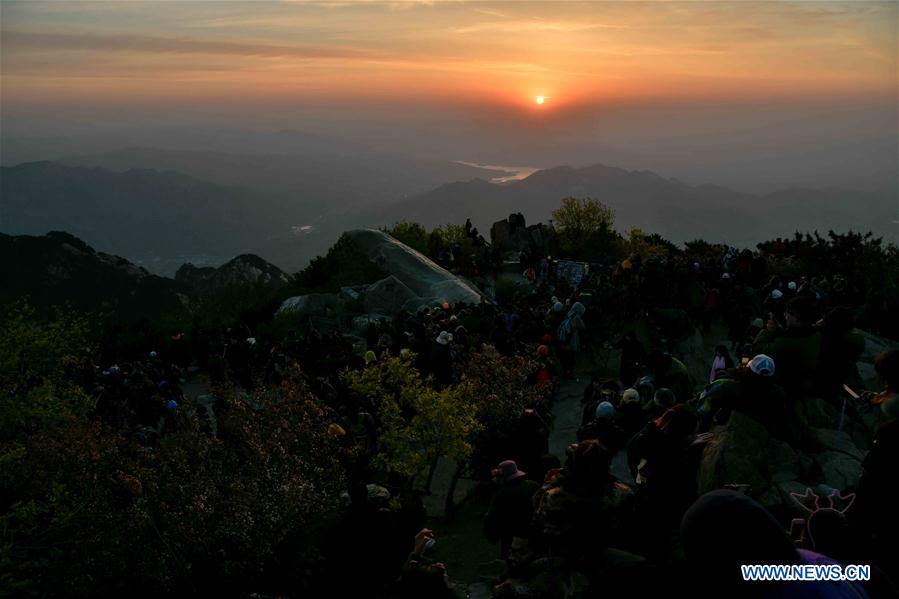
(540, 99)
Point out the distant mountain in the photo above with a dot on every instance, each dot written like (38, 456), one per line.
(643, 199)
(159, 219)
(246, 269)
(60, 269)
(318, 182)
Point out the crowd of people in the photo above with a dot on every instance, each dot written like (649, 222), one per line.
(570, 527)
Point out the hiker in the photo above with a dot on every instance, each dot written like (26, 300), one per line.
(840, 350)
(632, 355)
(795, 348)
(442, 359)
(569, 337)
(661, 459)
(721, 361)
(724, 530)
(603, 428)
(511, 507)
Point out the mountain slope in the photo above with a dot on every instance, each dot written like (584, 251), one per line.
(646, 200)
(159, 219)
(60, 269)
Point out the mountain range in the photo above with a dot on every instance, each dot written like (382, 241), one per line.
(206, 207)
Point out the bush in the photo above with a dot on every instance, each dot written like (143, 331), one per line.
(87, 510)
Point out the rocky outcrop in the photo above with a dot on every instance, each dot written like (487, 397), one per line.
(743, 452)
(428, 282)
(246, 269)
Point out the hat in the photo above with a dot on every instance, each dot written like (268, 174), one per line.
(558, 307)
(630, 395)
(444, 338)
(645, 381)
(762, 365)
(777, 294)
(543, 350)
(445, 306)
(547, 338)
(726, 276)
(791, 285)
(508, 471)
(171, 405)
(664, 398)
(377, 493)
(758, 323)
(605, 410)
(153, 354)
(369, 357)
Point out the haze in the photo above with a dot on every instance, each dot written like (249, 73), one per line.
(689, 89)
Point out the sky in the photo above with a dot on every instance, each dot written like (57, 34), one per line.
(616, 76)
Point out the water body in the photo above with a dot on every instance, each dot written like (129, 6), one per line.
(507, 173)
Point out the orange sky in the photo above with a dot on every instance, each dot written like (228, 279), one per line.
(462, 53)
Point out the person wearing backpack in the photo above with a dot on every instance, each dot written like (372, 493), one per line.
(569, 337)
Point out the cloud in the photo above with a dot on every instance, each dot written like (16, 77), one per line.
(174, 45)
(530, 25)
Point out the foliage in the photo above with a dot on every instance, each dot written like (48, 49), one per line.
(646, 246)
(412, 234)
(504, 389)
(41, 360)
(87, 510)
(585, 228)
(417, 423)
(345, 264)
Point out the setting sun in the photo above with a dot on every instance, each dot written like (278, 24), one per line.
(539, 99)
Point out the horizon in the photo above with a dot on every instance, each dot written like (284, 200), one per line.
(759, 96)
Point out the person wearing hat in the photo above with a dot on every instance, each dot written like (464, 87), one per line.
(841, 349)
(630, 412)
(511, 507)
(752, 390)
(603, 428)
(442, 359)
(875, 508)
(796, 348)
(569, 335)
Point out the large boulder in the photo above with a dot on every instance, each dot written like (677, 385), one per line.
(738, 454)
(427, 281)
(838, 470)
(312, 304)
(386, 295)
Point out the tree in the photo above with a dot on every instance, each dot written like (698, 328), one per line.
(417, 423)
(585, 228)
(412, 234)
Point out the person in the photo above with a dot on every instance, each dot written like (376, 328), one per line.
(886, 365)
(750, 389)
(840, 350)
(569, 336)
(511, 507)
(721, 361)
(660, 458)
(668, 371)
(443, 359)
(632, 355)
(604, 428)
(875, 508)
(422, 576)
(725, 529)
(795, 349)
